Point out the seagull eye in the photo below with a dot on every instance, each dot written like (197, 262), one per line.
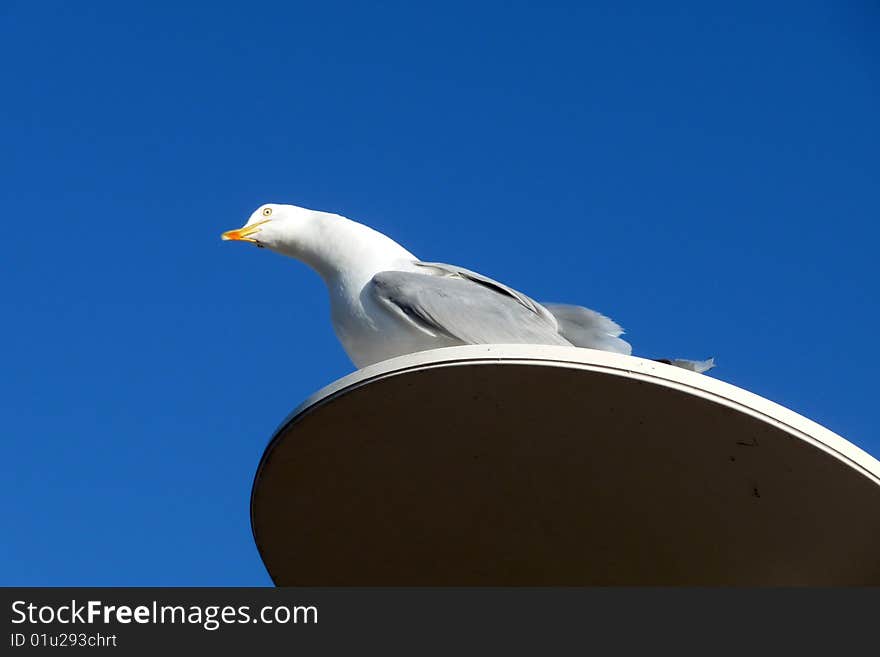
(267, 212)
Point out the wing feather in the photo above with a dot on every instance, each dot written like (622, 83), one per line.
(464, 307)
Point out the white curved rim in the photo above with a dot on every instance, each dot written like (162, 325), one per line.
(632, 367)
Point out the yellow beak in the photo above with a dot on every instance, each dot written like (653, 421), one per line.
(243, 234)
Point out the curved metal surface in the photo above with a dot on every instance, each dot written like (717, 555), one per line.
(543, 465)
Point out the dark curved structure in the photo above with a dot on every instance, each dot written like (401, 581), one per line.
(516, 465)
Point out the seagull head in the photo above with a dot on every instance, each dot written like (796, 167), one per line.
(272, 225)
(329, 243)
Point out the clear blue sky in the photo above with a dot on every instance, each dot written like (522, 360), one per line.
(705, 173)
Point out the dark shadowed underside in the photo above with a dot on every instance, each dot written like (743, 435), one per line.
(559, 466)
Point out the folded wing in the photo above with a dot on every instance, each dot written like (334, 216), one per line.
(464, 306)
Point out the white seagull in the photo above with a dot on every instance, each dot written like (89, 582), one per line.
(385, 302)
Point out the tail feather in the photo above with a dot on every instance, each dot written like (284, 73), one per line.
(698, 366)
(587, 328)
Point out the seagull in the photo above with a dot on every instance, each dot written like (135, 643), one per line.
(385, 302)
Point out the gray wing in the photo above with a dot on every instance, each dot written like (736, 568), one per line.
(464, 306)
(587, 328)
(441, 269)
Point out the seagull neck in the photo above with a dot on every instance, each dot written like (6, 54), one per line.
(345, 252)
